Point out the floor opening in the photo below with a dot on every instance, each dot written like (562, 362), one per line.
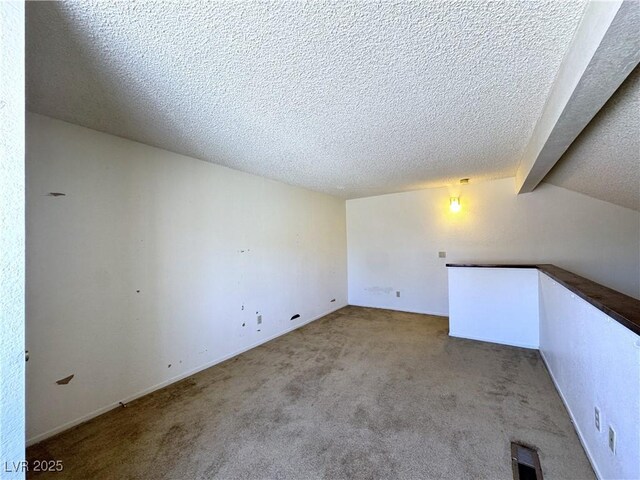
(525, 463)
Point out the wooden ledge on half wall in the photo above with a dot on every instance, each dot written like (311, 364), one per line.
(620, 307)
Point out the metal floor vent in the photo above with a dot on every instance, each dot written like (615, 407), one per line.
(525, 462)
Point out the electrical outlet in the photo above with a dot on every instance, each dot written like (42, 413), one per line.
(597, 418)
(259, 319)
(398, 293)
(612, 440)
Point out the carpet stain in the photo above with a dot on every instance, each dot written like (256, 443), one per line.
(359, 394)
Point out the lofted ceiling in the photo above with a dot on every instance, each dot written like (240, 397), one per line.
(604, 161)
(348, 98)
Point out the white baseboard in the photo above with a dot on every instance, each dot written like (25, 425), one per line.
(573, 420)
(493, 340)
(395, 309)
(177, 378)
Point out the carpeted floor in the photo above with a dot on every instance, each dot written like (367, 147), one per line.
(360, 393)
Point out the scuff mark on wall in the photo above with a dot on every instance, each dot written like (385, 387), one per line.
(379, 290)
(65, 380)
(56, 194)
(193, 274)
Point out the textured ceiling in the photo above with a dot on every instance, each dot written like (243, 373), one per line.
(604, 161)
(349, 98)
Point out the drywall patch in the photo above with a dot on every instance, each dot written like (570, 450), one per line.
(65, 380)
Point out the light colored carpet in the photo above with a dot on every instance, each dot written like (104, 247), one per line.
(360, 393)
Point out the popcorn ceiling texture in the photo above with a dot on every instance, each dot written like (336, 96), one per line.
(604, 161)
(349, 98)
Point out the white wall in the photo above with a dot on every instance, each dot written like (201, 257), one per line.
(498, 305)
(12, 364)
(393, 240)
(154, 259)
(594, 362)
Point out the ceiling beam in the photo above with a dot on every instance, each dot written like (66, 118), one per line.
(604, 51)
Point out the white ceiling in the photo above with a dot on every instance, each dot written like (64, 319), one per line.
(348, 98)
(604, 161)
